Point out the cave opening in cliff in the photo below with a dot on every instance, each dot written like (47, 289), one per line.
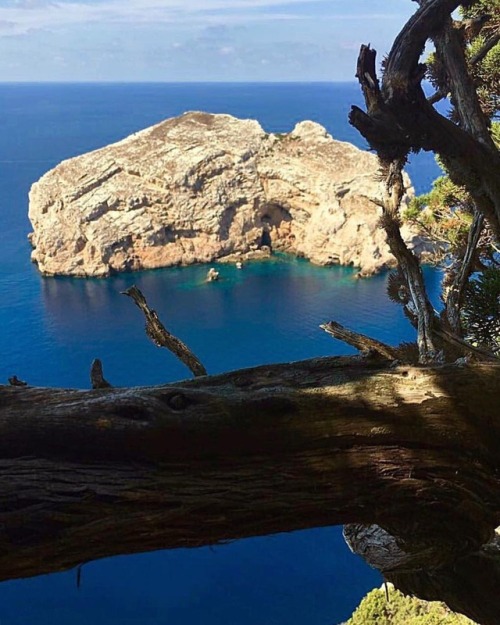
(272, 216)
(265, 239)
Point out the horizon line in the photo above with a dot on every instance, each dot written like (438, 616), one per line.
(177, 82)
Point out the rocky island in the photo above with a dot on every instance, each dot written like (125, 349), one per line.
(204, 187)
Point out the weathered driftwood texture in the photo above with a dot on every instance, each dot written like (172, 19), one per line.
(88, 474)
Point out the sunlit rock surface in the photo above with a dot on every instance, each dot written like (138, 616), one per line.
(201, 187)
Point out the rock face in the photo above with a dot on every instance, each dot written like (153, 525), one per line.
(200, 187)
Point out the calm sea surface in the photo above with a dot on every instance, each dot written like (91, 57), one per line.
(52, 328)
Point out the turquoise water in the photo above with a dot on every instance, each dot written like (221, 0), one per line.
(52, 328)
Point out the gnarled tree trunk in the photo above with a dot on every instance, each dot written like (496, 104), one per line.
(399, 119)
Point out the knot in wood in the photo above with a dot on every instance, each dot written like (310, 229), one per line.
(176, 401)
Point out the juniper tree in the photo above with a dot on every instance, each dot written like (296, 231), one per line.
(467, 245)
(408, 456)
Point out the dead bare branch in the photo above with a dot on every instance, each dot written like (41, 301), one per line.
(162, 337)
(97, 379)
(361, 342)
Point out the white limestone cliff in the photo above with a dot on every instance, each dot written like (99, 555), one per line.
(200, 187)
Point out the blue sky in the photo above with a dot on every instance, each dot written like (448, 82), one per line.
(192, 40)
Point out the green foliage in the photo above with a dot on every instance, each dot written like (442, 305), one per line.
(444, 214)
(481, 309)
(436, 73)
(495, 133)
(480, 7)
(447, 194)
(485, 72)
(402, 610)
(486, 75)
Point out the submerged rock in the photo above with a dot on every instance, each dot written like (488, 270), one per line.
(201, 187)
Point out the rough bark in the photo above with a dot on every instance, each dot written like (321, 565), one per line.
(408, 263)
(97, 379)
(364, 344)
(89, 474)
(161, 337)
(382, 551)
(400, 119)
(455, 293)
(450, 51)
(392, 162)
(414, 452)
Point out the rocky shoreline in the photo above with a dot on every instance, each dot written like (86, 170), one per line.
(203, 187)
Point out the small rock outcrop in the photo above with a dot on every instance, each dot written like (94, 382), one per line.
(202, 187)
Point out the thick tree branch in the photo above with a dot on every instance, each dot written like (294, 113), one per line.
(488, 45)
(89, 474)
(450, 51)
(400, 119)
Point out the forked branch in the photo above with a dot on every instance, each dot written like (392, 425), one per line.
(399, 119)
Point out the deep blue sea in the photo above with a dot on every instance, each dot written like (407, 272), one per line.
(52, 328)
